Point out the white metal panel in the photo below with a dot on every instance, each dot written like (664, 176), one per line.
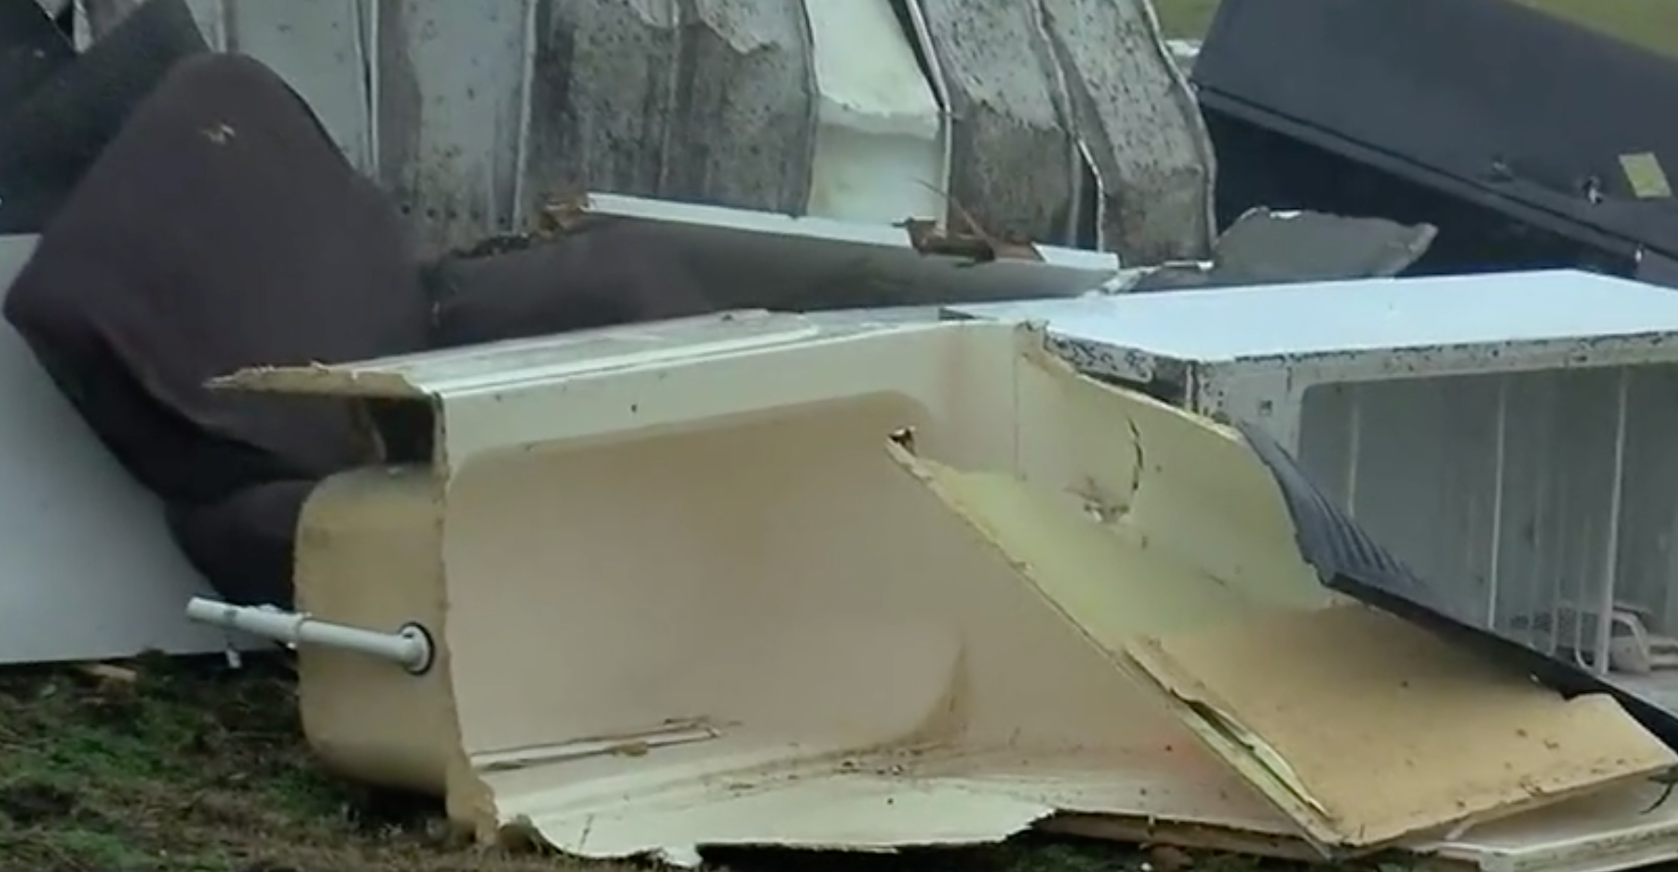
(760, 259)
(880, 151)
(90, 570)
(1465, 313)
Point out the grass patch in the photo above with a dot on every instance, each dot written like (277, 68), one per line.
(1650, 23)
(186, 766)
(177, 766)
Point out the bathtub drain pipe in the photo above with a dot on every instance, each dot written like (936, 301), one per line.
(409, 647)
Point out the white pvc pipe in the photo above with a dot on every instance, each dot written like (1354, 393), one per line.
(409, 647)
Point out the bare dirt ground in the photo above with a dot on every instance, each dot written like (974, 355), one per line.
(187, 766)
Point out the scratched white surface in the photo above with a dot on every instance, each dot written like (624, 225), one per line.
(90, 571)
(1231, 324)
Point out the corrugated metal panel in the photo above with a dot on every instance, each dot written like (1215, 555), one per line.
(477, 112)
(450, 81)
(1131, 106)
(1014, 162)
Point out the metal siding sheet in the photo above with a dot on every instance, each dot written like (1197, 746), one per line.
(451, 96)
(879, 152)
(475, 113)
(701, 100)
(1014, 164)
(1141, 128)
(745, 117)
(602, 97)
(319, 48)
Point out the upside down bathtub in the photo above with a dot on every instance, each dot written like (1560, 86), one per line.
(761, 579)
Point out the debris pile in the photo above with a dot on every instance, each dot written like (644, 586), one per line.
(571, 531)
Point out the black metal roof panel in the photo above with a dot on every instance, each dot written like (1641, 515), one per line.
(1487, 100)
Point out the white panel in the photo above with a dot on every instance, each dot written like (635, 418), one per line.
(1471, 312)
(879, 140)
(451, 98)
(90, 571)
(318, 47)
(762, 259)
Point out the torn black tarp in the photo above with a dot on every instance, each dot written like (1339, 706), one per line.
(1350, 561)
(58, 130)
(600, 275)
(1528, 141)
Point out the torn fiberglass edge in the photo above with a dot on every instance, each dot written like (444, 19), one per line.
(1349, 560)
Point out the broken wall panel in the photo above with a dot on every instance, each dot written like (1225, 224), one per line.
(745, 114)
(1365, 729)
(881, 150)
(759, 104)
(1014, 163)
(1140, 127)
(450, 81)
(602, 97)
(963, 742)
(904, 702)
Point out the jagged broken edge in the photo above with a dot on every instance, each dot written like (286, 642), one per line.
(1352, 562)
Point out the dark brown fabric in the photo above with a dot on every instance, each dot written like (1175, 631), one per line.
(220, 229)
(612, 273)
(31, 48)
(244, 544)
(69, 116)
